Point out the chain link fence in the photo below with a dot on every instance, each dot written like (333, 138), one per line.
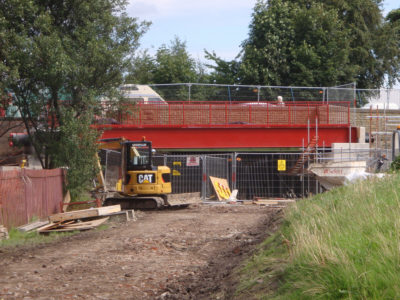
(252, 93)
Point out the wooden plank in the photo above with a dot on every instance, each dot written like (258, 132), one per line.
(32, 226)
(81, 226)
(85, 213)
(275, 200)
(109, 209)
(49, 226)
(266, 202)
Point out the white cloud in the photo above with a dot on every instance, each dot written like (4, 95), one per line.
(152, 9)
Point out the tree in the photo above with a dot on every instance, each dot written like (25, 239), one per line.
(142, 69)
(317, 43)
(174, 64)
(225, 72)
(392, 31)
(59, 57)
(171, 64)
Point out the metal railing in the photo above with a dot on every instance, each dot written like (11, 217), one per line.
(232, 93)
(238, 114)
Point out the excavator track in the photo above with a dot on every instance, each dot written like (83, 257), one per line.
(136, 202)
(153, 202)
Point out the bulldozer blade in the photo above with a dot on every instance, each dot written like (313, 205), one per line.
(182, 199)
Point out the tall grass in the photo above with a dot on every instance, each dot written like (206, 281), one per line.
(343, 244)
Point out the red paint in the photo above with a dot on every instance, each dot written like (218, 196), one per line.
(206, 114)
(241, 137)
(221, 125)
(25, 194)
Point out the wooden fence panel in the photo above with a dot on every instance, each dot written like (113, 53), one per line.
(25, 194)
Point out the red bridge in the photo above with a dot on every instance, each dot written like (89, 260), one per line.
(237, 126)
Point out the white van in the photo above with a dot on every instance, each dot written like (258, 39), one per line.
(140, 93)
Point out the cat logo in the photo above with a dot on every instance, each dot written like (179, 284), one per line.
(146, 178)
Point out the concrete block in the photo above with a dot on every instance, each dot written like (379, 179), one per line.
(361, 134)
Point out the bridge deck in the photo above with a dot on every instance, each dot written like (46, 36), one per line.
(221, 125)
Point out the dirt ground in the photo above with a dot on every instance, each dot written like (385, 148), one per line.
(171, 254)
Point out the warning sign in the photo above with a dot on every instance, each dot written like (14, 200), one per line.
(281, 165)
(221, 187)
(193, 161)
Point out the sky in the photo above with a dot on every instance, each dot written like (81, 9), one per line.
(214, 25)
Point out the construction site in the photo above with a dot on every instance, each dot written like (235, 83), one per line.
(211, 166)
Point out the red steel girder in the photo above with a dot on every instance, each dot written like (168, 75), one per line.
(230, 138)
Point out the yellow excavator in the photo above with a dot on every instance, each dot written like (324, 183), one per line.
(141, 185)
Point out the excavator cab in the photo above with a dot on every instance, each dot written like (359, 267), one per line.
(139, 156)
(142, 178)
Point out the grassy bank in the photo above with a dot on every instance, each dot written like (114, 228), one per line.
(344, 244)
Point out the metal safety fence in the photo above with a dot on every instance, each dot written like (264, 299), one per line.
(252, 93)
(214, 114)
(254, 175)
(257, 175)
(191, 173)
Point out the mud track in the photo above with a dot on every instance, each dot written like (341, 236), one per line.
(173, 254)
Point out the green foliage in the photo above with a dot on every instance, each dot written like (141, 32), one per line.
(395, 165)
(174, 64)
(314, 43)
(75, 148)
(340, 244)
(142, 69)
(171, 64)
(225, 72)
(53, 51)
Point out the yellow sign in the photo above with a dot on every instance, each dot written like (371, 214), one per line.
(221, 187)
(176, 173)
(281, 165)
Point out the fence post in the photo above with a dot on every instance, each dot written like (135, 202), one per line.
(26, 190)
(233, 176)
(204, 179)
(183, 113)
(140, 114)
(327, 113)
(190, 87)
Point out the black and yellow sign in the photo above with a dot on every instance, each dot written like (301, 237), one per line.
(281, 165)
(221, 187)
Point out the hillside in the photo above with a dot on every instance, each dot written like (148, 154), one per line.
(341, 244)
